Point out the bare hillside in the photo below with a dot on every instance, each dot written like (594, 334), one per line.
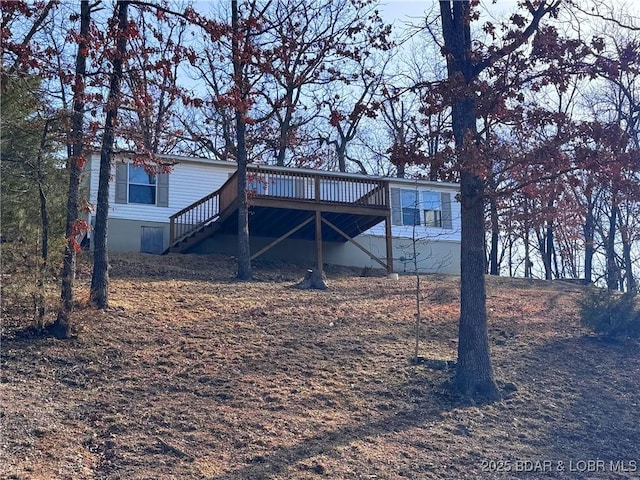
(191, 375)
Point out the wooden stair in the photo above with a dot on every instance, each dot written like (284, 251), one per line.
(202, 231)
(195, 238)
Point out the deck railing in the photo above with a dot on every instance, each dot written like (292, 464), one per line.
(191, 218)
(274, 182)
(323, 187)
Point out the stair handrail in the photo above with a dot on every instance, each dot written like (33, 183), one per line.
(378, 196)
(202, 212)
(191, 218)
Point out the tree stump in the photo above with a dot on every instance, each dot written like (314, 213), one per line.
(313, 279)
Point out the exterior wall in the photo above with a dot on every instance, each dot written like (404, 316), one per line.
(438, 249)
(126, 235)
(439, 256)
(420, 232)
(189, 181)
(432, 256)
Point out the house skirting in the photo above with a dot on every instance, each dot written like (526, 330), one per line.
(432, 256)
(129, 235)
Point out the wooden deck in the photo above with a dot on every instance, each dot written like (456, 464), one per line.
(283, 203)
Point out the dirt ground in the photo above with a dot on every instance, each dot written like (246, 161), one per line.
(191, 375)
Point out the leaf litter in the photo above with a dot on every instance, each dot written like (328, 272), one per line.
(192, 375)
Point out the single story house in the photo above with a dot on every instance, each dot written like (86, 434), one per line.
(296, 214)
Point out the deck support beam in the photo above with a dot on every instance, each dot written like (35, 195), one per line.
(373, 257)
(281, 238)
(319, 221)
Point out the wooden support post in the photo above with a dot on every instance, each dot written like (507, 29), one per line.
(319, 241)
(389, 240)
(387, 227)
(315, 278)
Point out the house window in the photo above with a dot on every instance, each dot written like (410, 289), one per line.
(432, 209)
(142, 185)
(135, 185)
(410, 207)
(421, 208)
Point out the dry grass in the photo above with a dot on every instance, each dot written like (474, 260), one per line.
(190, 375)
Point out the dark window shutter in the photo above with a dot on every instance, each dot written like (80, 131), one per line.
(447, 219)
(162, 195)
(121, 182)
(396, 207)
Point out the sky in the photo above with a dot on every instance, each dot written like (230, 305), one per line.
(399, 11)
(412, 10)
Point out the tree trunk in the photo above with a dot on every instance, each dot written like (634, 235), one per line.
(414, 246)
(494, 265)
(100, 279)
(543, 246)
(341, 153)
(474, 373)
(41, 303)
(610, 249)
(510, 257)
(526, 240)
(554, 253)
(41, 306)
(44, 218)
(628, 263)
(548, 251)
(285, 127)
(244, 248)
(62, 325)
(313, 280)
(589, 229)
(629, 278)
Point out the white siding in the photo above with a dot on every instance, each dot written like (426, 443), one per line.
(94, 168)
(192, 180)
(188, 182)
(422, 232)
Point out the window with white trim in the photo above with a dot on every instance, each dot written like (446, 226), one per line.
(142, 185)
(421, 207)
(134, 184)
(431, 209)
